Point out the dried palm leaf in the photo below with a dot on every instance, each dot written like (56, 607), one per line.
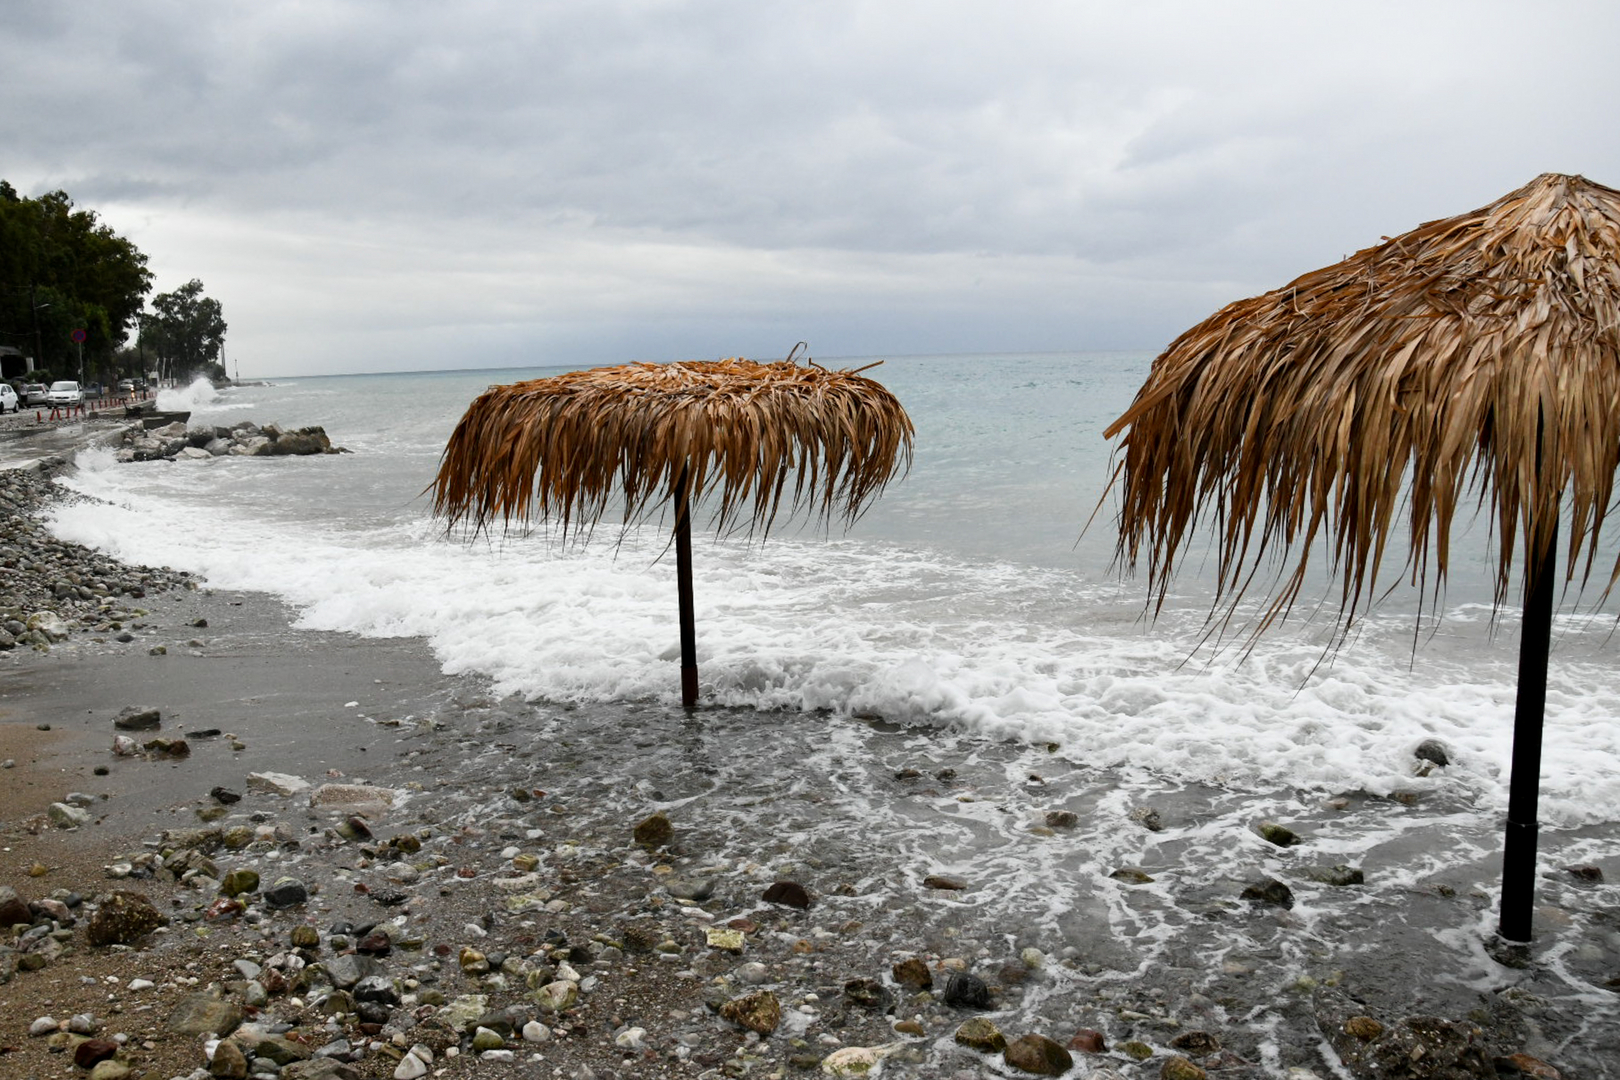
(1472, 359)
(562, 448)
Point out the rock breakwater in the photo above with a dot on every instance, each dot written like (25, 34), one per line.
(176, 441)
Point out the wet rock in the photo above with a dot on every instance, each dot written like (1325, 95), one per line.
(345, 971)
(464, 1012)
(121, 918)
(1136, 1050)
(868, 994)
(759, 1011)
(1516, 1065)
(205, 1014)
(1130, 875)
(683, 888)
(965, 991)
(557, 996)
(944, 881)
(1337, 876)
(87, 1053)
(1088, 1041)
(379, 989)
(13, 908)
(788, 894)
(286, 892)
(167, 748)
(1061, 819)
(1195, 1042)
(274, 783)
(1281, 835)
(54, 910)
(1268, 891)
(1586, 875)
(1363, 1027)
(410, 1067)
(110, 1069)
(229, 1062)
(913, 973)
(1038, 1055)
(654, 831)
(1432, 751)
(982, 1035)
(1148, 818)
(64, 816)
(238, 881)
(225, 796)
(276, 1048)
(135, 719)
(1179, 1068)
(855, 1060)
(719, 937)
(201, 840)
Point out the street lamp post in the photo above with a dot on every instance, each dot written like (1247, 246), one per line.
(78, 342)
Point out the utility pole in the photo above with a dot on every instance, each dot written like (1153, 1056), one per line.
(39, 340)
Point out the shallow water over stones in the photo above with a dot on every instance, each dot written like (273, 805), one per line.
(863, 812)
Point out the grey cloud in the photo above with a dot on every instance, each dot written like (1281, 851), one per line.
(1114, 169)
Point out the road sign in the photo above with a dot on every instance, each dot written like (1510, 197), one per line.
(80, 336)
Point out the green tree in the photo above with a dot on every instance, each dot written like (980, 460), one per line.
(62, 270)
(185, 333)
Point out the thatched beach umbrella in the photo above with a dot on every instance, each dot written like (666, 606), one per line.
(1472, 358)
(656, 435)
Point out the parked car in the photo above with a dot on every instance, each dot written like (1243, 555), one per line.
(8, 399)
(92, 391)
(65, 392)
(35, 393)
(125, 385)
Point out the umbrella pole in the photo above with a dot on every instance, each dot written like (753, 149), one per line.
(683, 578)
(1524, 788)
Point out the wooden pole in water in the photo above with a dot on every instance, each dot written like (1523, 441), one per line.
(683, 578)
(1529, 708)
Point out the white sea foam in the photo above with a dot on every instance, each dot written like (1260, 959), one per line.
(198, 394)
(1011, 652)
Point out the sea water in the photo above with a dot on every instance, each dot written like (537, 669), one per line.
(971, 617)
(972, 595)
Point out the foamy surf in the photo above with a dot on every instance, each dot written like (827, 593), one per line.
(861, 629)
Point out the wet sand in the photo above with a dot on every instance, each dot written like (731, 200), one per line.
(302, 703)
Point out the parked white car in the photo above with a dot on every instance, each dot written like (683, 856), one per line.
(8, 399)
(66, 392)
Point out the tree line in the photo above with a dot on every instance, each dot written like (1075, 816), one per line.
(66, 276)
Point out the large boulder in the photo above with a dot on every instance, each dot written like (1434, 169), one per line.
(308, 440)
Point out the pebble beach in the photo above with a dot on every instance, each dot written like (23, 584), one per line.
(236, 849)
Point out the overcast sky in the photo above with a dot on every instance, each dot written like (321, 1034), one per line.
(396, 185)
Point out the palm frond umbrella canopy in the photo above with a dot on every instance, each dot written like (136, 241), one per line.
(1472, 359)
(657, 435)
